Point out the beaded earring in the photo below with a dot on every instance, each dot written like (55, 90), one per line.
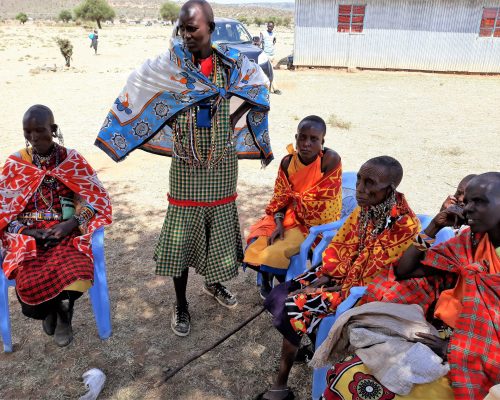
(59, 136)
(27, 144)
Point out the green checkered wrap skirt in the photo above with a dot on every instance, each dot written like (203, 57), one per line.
(205, 238)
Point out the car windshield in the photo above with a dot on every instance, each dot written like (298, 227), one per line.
(230, 32)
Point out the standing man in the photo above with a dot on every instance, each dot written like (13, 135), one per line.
(268, 40)
(178, 105)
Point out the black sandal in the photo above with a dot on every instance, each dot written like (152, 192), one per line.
(289, 396)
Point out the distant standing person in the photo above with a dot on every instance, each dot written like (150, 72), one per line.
(94, 37)
(268, 40)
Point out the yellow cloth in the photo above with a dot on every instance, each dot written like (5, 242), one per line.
(26, 155)
(278, 254)
(79, 286)
(437, 390)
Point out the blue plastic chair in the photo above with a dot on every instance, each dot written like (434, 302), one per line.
(319, 374)
(98, 293)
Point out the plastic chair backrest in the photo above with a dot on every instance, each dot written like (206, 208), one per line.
(348, 193)
(425, 220)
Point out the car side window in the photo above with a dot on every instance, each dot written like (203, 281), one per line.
(241, 33)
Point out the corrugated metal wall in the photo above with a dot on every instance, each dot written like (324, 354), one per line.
(434, 35)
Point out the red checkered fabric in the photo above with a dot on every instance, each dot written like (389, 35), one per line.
(474, 350)
(44, 277)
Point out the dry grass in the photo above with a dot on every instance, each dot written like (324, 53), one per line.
(335, 122)
(454, 151)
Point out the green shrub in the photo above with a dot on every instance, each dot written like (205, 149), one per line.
(65, 16)
(22, 17)
(66, 49)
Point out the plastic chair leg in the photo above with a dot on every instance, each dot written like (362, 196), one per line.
(99, 296)
(5, 313)
(296, 267)
(259, 279)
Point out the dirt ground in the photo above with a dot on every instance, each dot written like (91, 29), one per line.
(441, 127)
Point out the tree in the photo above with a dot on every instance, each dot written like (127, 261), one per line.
(66, 49)
(65, 16)
(169, 11)
(95, 10)
(287, 21)
(258, 21)
(22, 17)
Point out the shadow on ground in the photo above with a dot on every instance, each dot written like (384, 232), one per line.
(142, 346)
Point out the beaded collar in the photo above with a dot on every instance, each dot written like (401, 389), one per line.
(382, 216)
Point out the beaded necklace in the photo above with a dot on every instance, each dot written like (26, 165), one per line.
(382, 215)
(192, 155)
(48, 182)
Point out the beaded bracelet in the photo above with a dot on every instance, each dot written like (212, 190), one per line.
(85, 215)
(16, 227)
(279, 215)
(423, 242)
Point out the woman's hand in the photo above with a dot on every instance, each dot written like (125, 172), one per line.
(279, 232)
(450, 201)
(313, 287)
(38, 234)
(452, 216)
(435, 343)
(61, 230)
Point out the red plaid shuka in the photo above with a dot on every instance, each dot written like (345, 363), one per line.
(474, 350)
(40, 273)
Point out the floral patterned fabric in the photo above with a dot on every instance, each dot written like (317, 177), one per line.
(316, 205)
(162, 88)
(343, 261)
(351, 380)
(348, 267)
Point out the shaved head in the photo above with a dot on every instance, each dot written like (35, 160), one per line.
(392, 166)
(41, 113)
(463, 183)
(206, 9)
(482, 205)
(313, 121)
(489, 179)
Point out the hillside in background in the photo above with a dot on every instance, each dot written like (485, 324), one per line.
(143, 9)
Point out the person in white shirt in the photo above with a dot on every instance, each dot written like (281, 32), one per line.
(268, 40)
